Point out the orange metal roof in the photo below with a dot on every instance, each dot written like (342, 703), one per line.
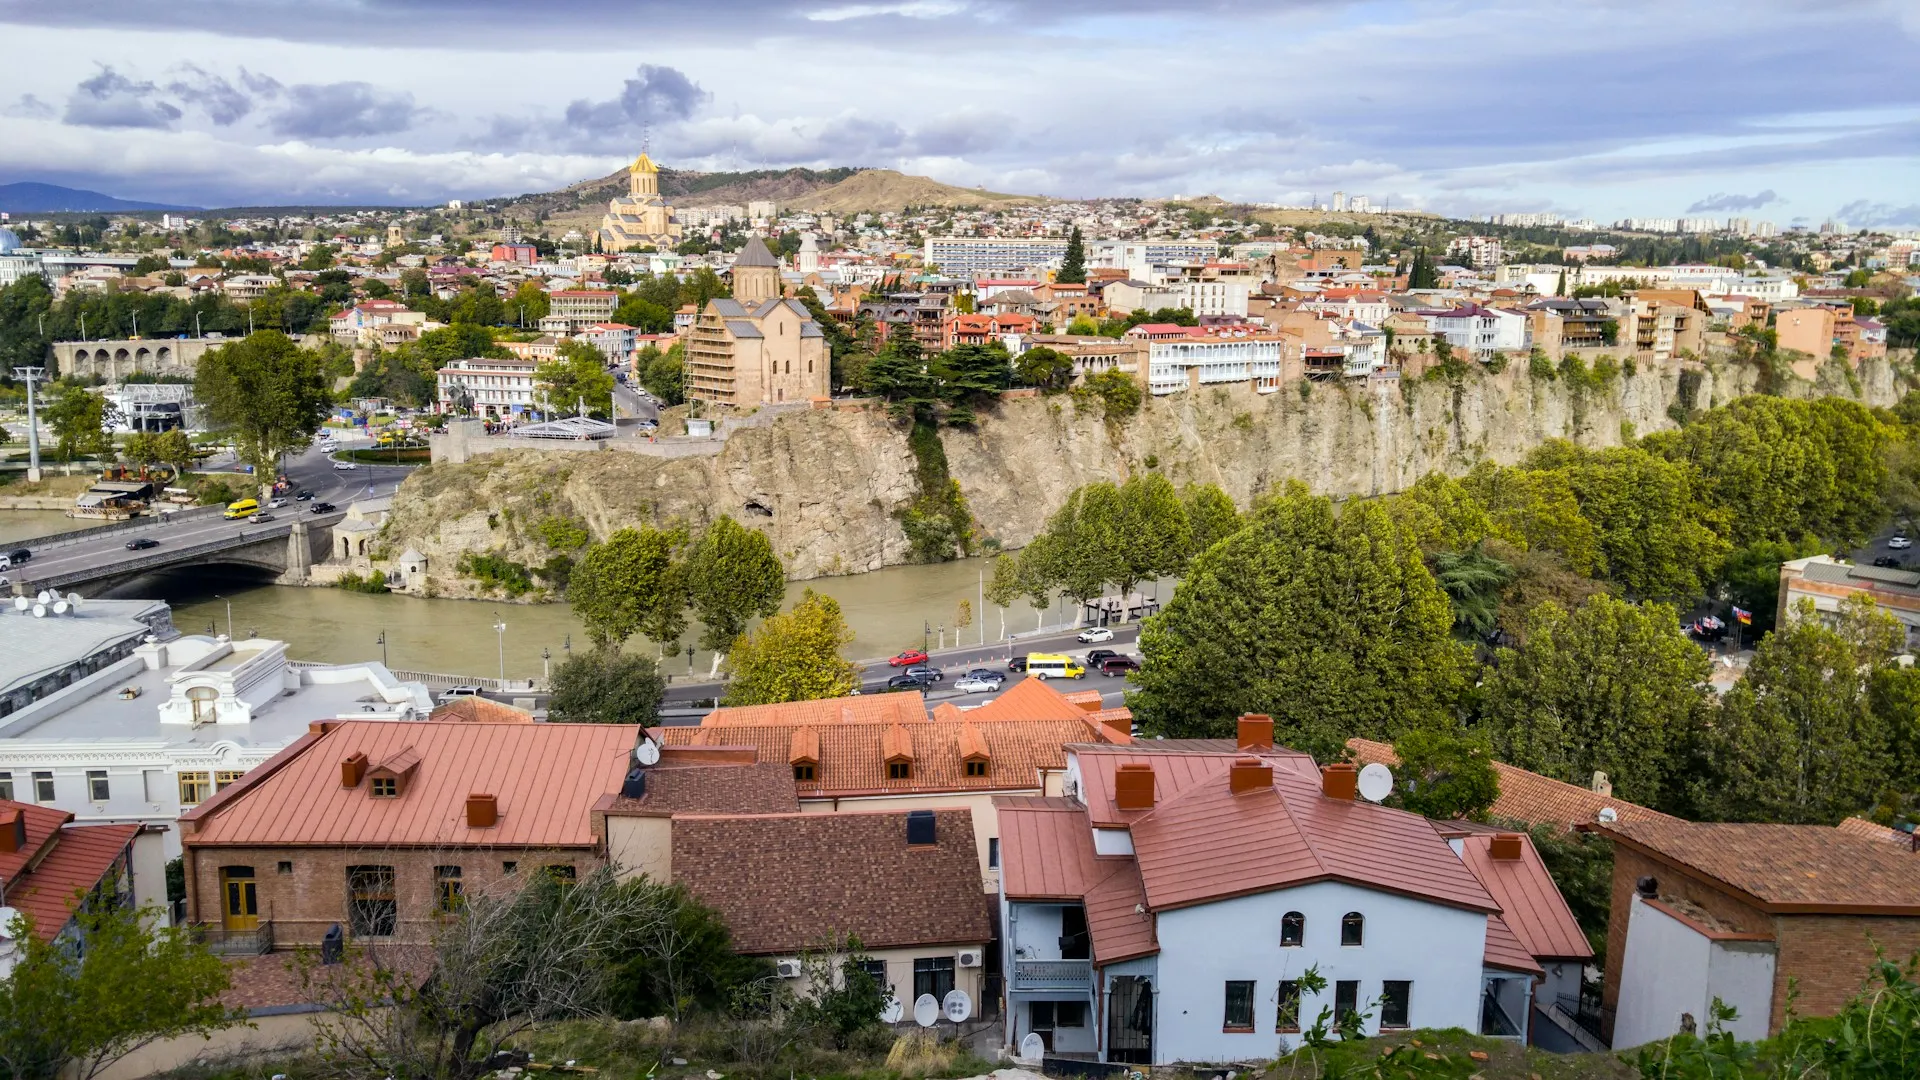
(899, 708)
(1504, 949)
(43, 823)
(1172, 772)
(1529, 901)
(1046, 848)
(478, 709)
(1528, 796)
(546, 777)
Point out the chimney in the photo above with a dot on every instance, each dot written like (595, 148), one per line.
(1339, 781)
(483, 811)
(13, 831)
(1133, 787)
(1249, 774)
(1119, 725)
(1506, 845)
(353, 769)
(1256, 732)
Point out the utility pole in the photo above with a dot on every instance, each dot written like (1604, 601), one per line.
(31, 375)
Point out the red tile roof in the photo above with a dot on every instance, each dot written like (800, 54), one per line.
(1785, 869)
(1530, 903)
(1504, 949)
(477, 709)
(1861, 827)
(859, 709)
(1528, 796)
(785, 883)
(547, 778)
(59, 863)
(763, 788)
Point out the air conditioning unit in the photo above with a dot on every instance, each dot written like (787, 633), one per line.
(787, 969)
(968, 958)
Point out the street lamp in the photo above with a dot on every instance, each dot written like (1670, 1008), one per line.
(546, 664)
(926, 634)
(500, 629)
(229, 604)
(383, 648)
(689, 658)
(31, 375)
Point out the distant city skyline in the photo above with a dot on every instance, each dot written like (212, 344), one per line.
(1789, 113)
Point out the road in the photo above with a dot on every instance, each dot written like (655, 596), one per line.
(630, 402)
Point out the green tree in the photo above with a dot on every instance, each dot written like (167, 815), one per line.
(577, 373)
(1077, 553)
(318, 257)
(1330, 624)
(1119, 393)
(1751, 578)
(663, 374)
(643, 314)
(1083, 326)
(606, 686)
(794, 656)
(530, 304)
(1610, 686)
(901, 375)
(267, 393)
(968, 373)
(138, 449)
(1047, 369)
(1211, 516)
(1153, 537)
(1442, 513)
(78, 418)
(1445, 774)
(1423, 275)
(1536, 510)
(631, 583)
(732, 576)
(1473, 580)
(81, 1000)
(1648, 518)
(1073, 265)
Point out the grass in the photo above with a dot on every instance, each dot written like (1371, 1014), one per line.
(412, 455)
(1445, 1055)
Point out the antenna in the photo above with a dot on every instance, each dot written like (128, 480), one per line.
(958, 1006)
(1608, 815)
(648, 752)
(1376, 782)
(926, 1011)
(892, 1013)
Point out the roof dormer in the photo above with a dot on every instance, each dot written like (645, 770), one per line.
(803, 754)
(975, 758)
(390, 778)
(896, 748)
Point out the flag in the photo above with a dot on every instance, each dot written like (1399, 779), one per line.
(1742, 615)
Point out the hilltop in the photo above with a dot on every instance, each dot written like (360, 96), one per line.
(34, 198)
(885, 189)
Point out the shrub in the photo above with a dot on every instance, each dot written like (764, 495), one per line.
(562, 534)
(217, 493)
(495, 572)
(373, 583)
(1538, 365)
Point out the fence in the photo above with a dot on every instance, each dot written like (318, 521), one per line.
(66, 539)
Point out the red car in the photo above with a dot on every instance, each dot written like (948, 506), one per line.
(909, 658)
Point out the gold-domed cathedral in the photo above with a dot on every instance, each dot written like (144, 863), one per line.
(640, 218)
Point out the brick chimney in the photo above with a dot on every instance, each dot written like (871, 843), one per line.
(353, 769)
(483, 811)
(1133, 787)
(1256, 732)
(13, 831)
(1249, 774)
(1505, 845)
(1339, 781)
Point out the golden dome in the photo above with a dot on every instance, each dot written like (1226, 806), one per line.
(643, 163)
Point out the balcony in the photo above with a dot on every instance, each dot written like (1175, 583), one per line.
(223, 942)
(1052, 974)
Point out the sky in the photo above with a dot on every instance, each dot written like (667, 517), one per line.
(1788, 111)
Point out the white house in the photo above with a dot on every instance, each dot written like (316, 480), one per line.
(1481, 330)
(1190, 362)
(1168, 908)
(111, 715)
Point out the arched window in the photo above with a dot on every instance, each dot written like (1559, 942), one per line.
(1293, 928)
(202, 699)
(1353, 927)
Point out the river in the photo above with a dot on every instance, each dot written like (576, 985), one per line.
(886, 610)
(23, 524)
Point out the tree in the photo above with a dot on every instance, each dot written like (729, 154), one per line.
(78, 418)
(1473, 581)
(1077, 552)
(643, 314)
(1648, 518)
(631, 583)
(1422, 275)
(1445, 774)
(267, 393)
(732, 576)
(1211, 516)
(795, 656)
(107, 985)
(1536, 510)
(662, 374)
(1443, 514)
(530, 304)
(1073, 265)
(970, 372)
(1610, 686)
(1119, 393)
(1330, 624)
(606, 686)
(682, 961)
(1044, 368)
(577, 373)
(1153, 536)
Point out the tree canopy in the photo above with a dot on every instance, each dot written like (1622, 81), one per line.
(632, 583)
(794, 656)
(732, 577)
(266, 392)
(606, 686)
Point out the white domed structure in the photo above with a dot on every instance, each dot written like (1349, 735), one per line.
(8, 241)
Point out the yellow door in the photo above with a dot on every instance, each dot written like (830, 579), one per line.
(242, 908)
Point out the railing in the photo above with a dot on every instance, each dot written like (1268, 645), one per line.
(160, 517)
(225, 942)
(484, 682)
(1052, 974)
(1586, 1010)
(169, 556)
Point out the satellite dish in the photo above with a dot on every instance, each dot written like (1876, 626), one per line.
(958, 1006)
(1376, 782)
(647, 753)
(44, 596)
(892, 1013)
(1033, 1047)
(73, 600)
(59, 607)
(21, 603)
(926, 1011)
(39, 611)
(1608, 815)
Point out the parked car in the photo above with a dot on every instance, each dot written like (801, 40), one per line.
(275, 504)
(261, 519)
(142, 543)
(457, 692)
(1095, 656)
(972, 685)
(910, 682)
(930, 672)
(1888, 562)
(1095, 633)
(16, 557)
(1017, 664)
(321, 508)
(992, 676)
(909, 658)
(303, 495)
(344, 466)
(1115, 666)
(5, 582)
(1899, 542)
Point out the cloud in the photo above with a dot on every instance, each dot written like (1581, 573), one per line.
(1866, 213)
(911, 9)
(31, 108)
(655, 95)
(1719, 201)
(111, 100)
(341, 110)
(218, 98)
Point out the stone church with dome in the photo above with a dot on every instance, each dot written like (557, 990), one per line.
(640, 218)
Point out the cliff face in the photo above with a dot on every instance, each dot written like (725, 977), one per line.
(825, 485)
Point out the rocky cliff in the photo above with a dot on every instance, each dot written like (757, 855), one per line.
(826, 485)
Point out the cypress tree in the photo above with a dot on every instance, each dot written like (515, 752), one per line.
(1073, 266)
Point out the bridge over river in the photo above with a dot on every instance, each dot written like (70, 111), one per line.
(93, 561)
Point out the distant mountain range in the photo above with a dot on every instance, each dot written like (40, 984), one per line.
(33, 198)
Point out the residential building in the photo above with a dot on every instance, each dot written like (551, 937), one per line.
(582, 307)
(640, 218)
(1189, 362)
(921, 314)
(1092, 355)
(1661, 324)
(1480, 330)
(364, 322)
(1212, 298)
(1140, 258)
(16, 261)
(985, 289)
(1559, 324)
(979, 329)
(616, 341)
(1747, 915)
(762, 209)
(1480, 252)
(754, 348)
(969, 256)
(114, 717)
(1163, 908)
(486, 387)
(523, 254)
(1827, 582)
(46, 860)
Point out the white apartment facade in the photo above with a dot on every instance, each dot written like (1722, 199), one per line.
(1192, 362)
(488, 387)
(968, 256)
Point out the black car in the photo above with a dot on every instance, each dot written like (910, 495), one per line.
(1114, 666)
(15, 558)
(910, 682)
(142, 543)
(1018, 663)
(1888, 562)
(1096, 656)
(988, 674)
(321, 508)
(304, 495)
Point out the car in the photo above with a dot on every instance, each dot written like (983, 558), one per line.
(1888, 562)
(910, 682)
(1115, 666)
(17, 557)
(908, 658)
(455, 693)
(260, 519)
(1095, 633)
(988, 674)
(275, 504)
(321, 508)
(930, 672)
(142, 543)
(977, 686)
(1899, 542)
(1017, 664)
(302, 495)
(344, 466)
(1095, 656)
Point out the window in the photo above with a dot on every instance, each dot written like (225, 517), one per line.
(6, 786)
(1353, 926)
(1293, 928)
(803, 772)
(976, 767)
(877, 971)
(1395, 996)
(993, 852)
(509, 866)
(97, 785)
(933, 975)
(446, 888)
(43, 786)
(286, 867)
(194, 788)
(224, 777)
(1239, 1006)
(899, 770)
(202, 699)
(1287, 1017)
(1048, 1015)
(371, 910)
(385, 787)
(1346, 998)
